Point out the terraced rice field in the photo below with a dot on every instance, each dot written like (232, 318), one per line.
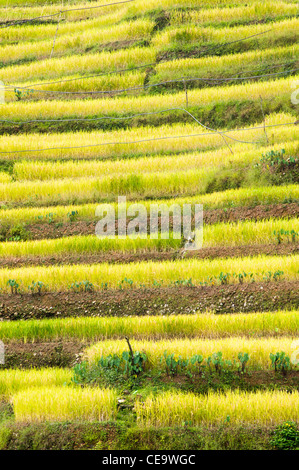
(113, 341)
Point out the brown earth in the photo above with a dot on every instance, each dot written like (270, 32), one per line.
(82, 227)
(119, 257)
(250, 297)
(53, 354)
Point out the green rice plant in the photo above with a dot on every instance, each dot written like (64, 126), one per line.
(182, 349)
(195, 325)
(58, 278)
(15, 380)
(75, 43)
(64, 404)
(258, 408)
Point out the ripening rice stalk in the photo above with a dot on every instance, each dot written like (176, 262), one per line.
(139, 104)
(140, 141)
(47, 31)
(59, 278)
(14, 380)
(205, 325)
(247, 232)
(4, 177)
(64, 404)
(232, 197)
(78, 64)
(227, 65)
(101, 18)
(221, 234)
(97, 189)
(74, 43)
(259, 350)
(75, 83)
(261, 408)
(17, 8)
(87, 244)
(244, 154)
(255, 11)
(82, 190)
(287, 30)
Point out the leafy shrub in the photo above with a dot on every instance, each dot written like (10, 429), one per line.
(286, 436)
(281, 362)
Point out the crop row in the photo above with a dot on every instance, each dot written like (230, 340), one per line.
(259, 350)
(168, 409)
(266, 10)
(105, 275)
(61, 403)
(244, 154)
(78, 65)
(138, 186)
(225, 199)
(243, 64)
(173, 409)
(282, 32)
(82, 41)
(140, 141)
(221, 234)
(127, 107)
(205, 325)
(206, 17)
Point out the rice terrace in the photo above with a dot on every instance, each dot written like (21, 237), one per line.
(149, 231)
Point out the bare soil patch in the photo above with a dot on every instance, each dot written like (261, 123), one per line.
(251, 297)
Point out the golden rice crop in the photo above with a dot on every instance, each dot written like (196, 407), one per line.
(247, 232)
(48, 31)
(244, 154)
(64, 404)
(78, 64)
(59, 278)
(261, 407)
(86, 244)
(205, 325)
(230, 198)
(139, 141)
(66, 44)
(102, 18)
(259, 349)
(255, 11)
(287, 29)
(97, 189)
(17, 8)
(143, 104)
(14, 380)
(221, 234)
(224, 66)
(76, 83)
